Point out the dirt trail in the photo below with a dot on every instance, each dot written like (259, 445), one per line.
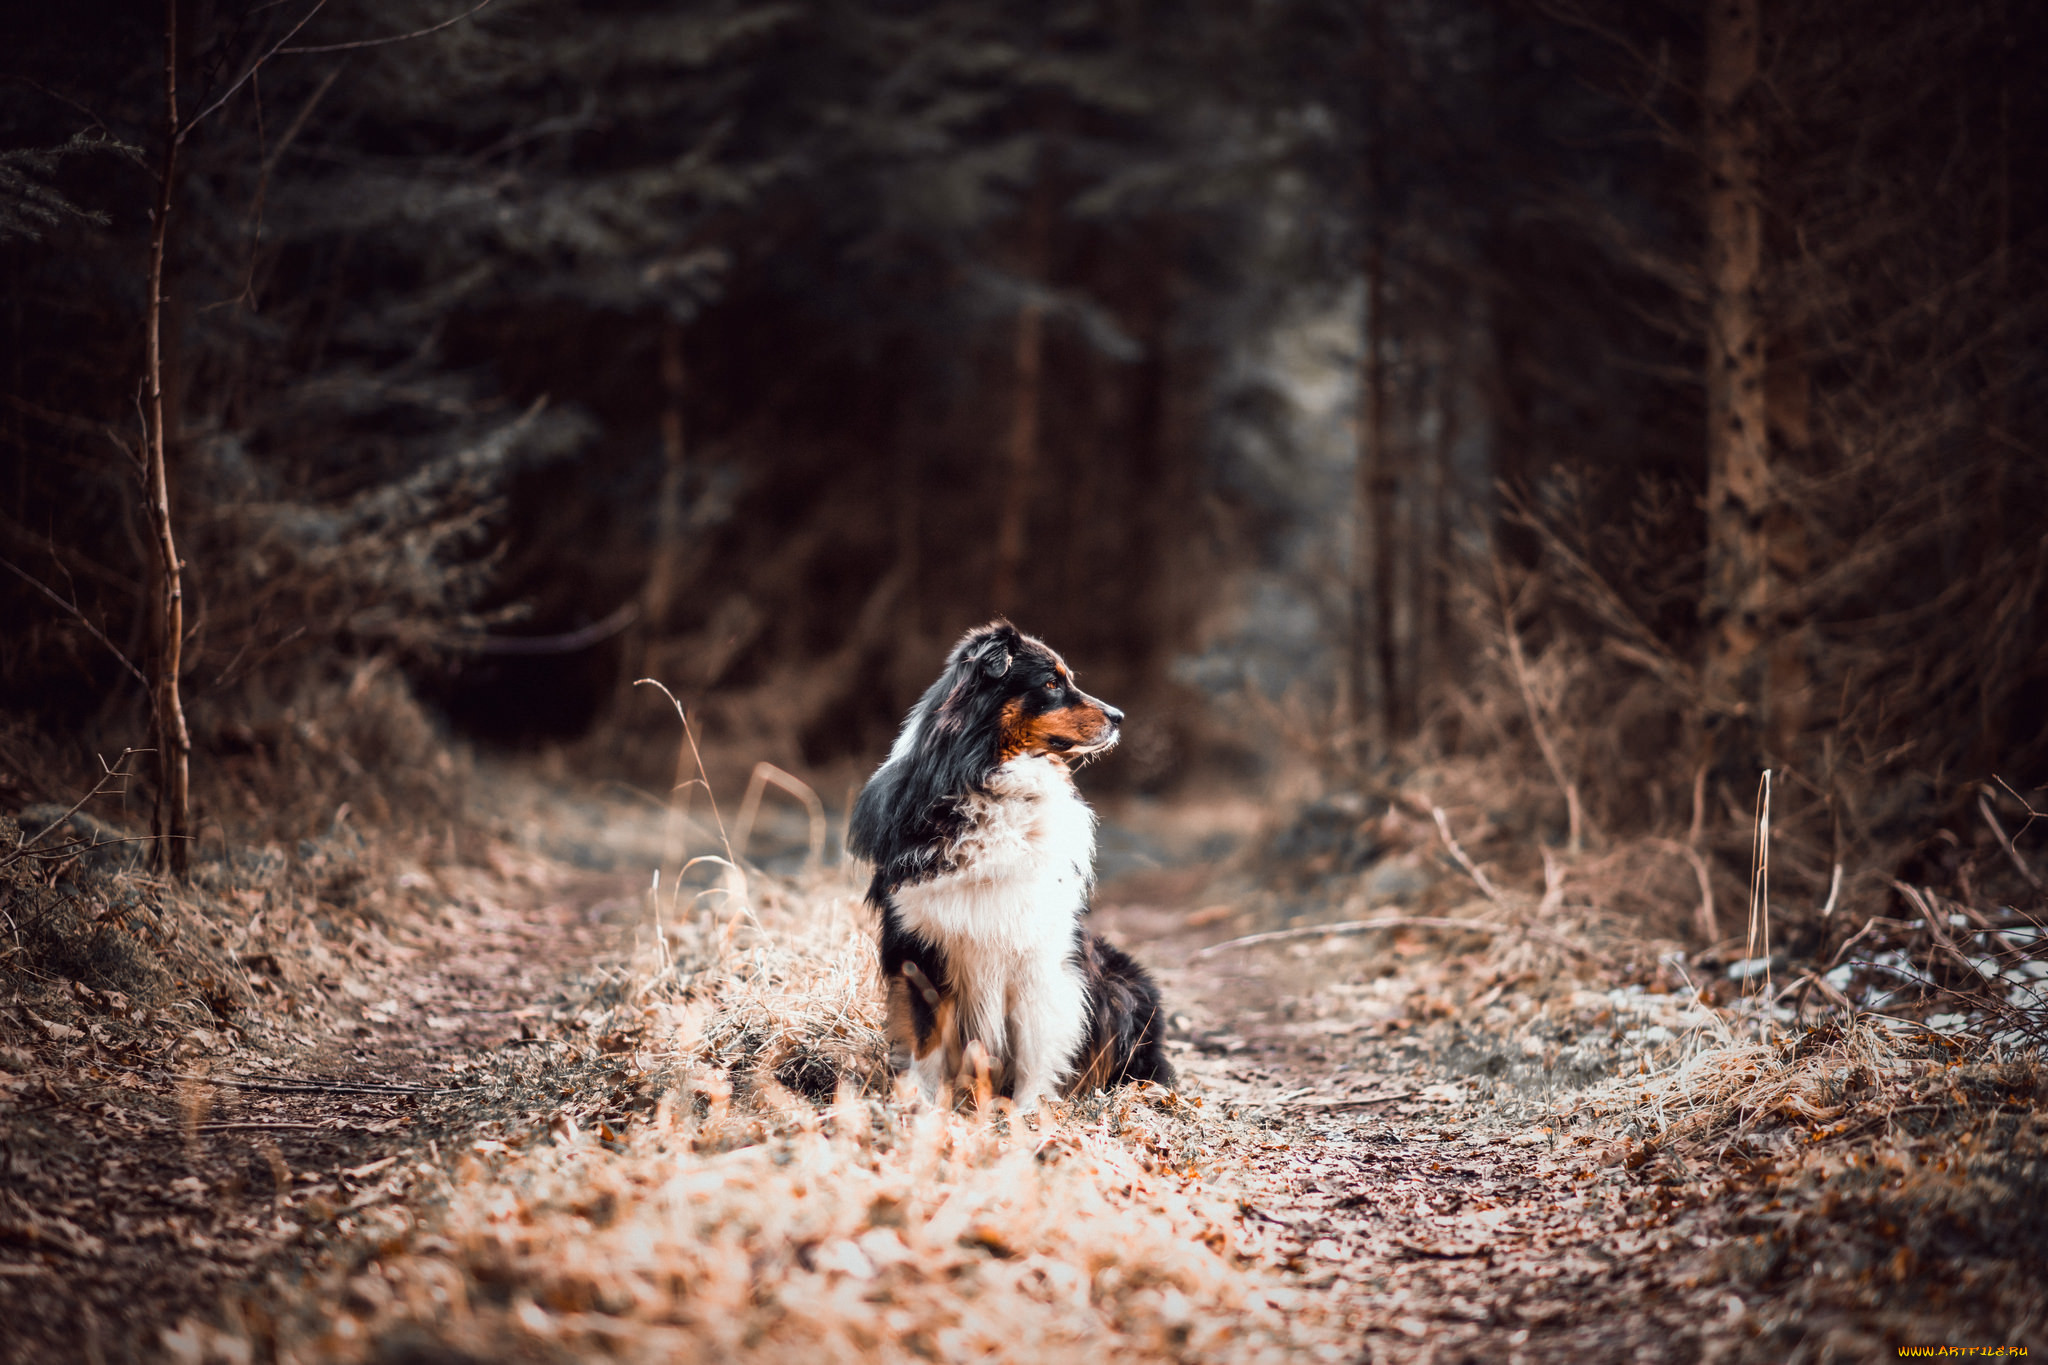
(1441, 1222)
(152, 1168)
(1421, 1174)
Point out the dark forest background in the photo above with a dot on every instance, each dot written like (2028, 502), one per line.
(1631, 395)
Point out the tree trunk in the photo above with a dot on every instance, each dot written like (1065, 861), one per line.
(1022, 452)
(657, 594)
(902, 430)
(1996, 426)
(1375, 656)
(1374, 673)
(1433, 605)
(171, 820)
(1028, 365)
(1156, 553)
(1734, 607)
(1787, 697)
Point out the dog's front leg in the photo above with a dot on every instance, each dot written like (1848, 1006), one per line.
(919, 1038)
(1048, 1009)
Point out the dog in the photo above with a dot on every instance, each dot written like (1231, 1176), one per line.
(984, 857)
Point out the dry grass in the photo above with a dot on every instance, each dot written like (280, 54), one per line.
(1861, 1173)
(865, 1229)
(741, 1220)
(1870, 1173)
(795, 1005)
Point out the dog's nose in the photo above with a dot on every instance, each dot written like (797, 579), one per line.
(1116, 717)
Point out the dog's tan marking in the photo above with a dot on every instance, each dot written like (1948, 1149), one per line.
(945, 1029)
(901, 1027)
(1081, 726)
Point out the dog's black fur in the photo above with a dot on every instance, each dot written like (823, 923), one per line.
(999, 684)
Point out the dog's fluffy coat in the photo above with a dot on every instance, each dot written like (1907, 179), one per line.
(984, 857)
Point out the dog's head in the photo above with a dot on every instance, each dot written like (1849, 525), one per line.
(1003, 695)
(1015, 689)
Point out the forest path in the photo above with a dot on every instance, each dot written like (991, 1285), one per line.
(1405, 1175)
(1399, 1153)
(1416, 1169)
(157, 1170)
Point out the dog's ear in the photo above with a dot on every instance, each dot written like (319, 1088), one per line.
(994, 658)
(991, 648)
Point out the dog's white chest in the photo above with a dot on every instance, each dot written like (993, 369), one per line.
(1021, 870)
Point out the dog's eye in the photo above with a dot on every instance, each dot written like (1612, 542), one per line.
(1052, 684)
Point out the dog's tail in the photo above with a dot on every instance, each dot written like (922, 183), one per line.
(1126, 1027)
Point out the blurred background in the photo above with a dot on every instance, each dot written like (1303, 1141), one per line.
(1592, 403)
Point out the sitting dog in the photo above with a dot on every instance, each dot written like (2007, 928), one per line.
(984, 857)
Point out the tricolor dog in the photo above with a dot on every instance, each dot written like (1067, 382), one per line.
(984, 857)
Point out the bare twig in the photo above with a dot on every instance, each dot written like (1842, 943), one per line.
(1816, 982)
(235, 664)
(569, 642)
(2004, 840)
(1994, 932)
(1553, 886)
(64, 99)
(1757, 940)
(316, 1086)
(1574, 819)
(1930, 913)
(1347, 928)
(1644, 647)
(664, 958)
(690, 735)
(382, 42)
(82, 619)
(1363, 1102)
(185, 128)
(766, 775)
(1875, 922)
(2025, 805)
(1443, 827)
(107, 775)
(58, 852)
(167, 595)
(298, 123)
(1834, 893)
(731, 862)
